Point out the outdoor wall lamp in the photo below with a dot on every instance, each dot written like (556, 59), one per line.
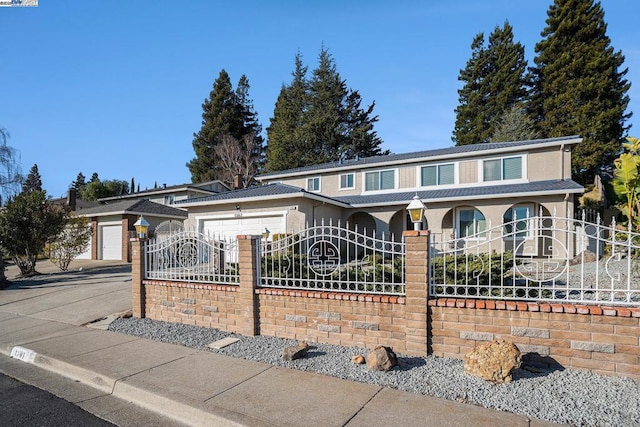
(142, 226)
(416, 210)
(266, 233)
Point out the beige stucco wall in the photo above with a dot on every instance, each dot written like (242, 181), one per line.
(541, 164)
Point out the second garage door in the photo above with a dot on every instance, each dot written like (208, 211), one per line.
(111, 242)
(231, 227)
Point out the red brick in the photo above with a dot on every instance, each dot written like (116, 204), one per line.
(521, 306)
(533, 306)
(635, 312)
(490, 305)
(511, 305)
(569, 308)
(623, 312)
(545, 308)
(582, 309)
(500, 305)
(481, 305)
(609, 311)
(557, 308)
(595, 310)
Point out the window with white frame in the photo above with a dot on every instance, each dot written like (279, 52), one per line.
(502, 169)
(313, 184)
(168, 200)
(517, 222)
(471, 223)
(380, 180)
(437, 174)
(347, 181)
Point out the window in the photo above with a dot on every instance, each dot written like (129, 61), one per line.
(516, 221)
(168, 200)
(500, 169)
(379, 180)
(437, 174)
(313, 184)
(347, 181)
(471, 224)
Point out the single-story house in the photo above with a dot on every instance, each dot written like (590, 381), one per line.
(167, 195)
(112, 225)
(465, 190)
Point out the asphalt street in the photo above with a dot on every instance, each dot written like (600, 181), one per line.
(25, 405)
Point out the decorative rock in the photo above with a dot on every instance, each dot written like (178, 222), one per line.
(381, 359)
(493, 361)
(359, 359)
(295, 352)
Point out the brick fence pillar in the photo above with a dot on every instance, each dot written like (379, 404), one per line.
(248, 265)
(417, 291)
(137, 276)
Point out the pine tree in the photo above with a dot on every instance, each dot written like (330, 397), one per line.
(319, 120)
(495, 80)
(286, 148)
(251, 128)
(94, 177)
(220, 116)
(33, 181)
(578, 85)
(79, 183)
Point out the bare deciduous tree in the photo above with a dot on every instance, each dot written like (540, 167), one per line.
(238, 158)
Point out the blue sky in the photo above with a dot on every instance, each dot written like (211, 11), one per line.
(116, 87)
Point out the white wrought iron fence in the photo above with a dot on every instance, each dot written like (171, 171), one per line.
(192, 256)
(540, 258)
(333, 258)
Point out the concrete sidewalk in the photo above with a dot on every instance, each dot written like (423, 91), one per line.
(196, 387)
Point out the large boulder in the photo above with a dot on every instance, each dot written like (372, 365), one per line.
(493, 361)
(381, 359)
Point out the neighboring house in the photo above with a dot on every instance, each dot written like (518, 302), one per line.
(465, 189)
(168, 195)
(112, 225)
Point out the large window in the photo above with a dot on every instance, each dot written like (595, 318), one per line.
(471, 223)
(437, 175)
(516, 221)
(502, 169)
(379, 180)
(313, 184)
(347, 181)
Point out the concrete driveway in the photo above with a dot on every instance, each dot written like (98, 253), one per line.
(89, 291)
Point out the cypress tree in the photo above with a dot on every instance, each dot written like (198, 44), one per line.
(578, 85)
(494, 81)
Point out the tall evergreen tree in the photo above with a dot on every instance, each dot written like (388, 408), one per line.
(79, 183)
(578, 85)
(10, 180)
(286, 146)
(494, 81)
(251, 128)
(33, 181)
(220, 116)
(319, 120)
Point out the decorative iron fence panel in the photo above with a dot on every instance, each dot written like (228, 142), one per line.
(332, 258)
(540, 259)
(190, 256)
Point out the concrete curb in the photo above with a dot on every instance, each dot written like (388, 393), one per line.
(148, 400)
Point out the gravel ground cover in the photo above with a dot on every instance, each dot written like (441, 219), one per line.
(563, 396)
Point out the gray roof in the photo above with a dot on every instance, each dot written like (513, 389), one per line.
(262, 191)
(165, 189)
(134, 207)
(450, 151)
(468, 193)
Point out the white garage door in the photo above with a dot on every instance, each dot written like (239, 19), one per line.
(231, 227)
(111, 241)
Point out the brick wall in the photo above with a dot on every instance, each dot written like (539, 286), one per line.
(600, 339)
